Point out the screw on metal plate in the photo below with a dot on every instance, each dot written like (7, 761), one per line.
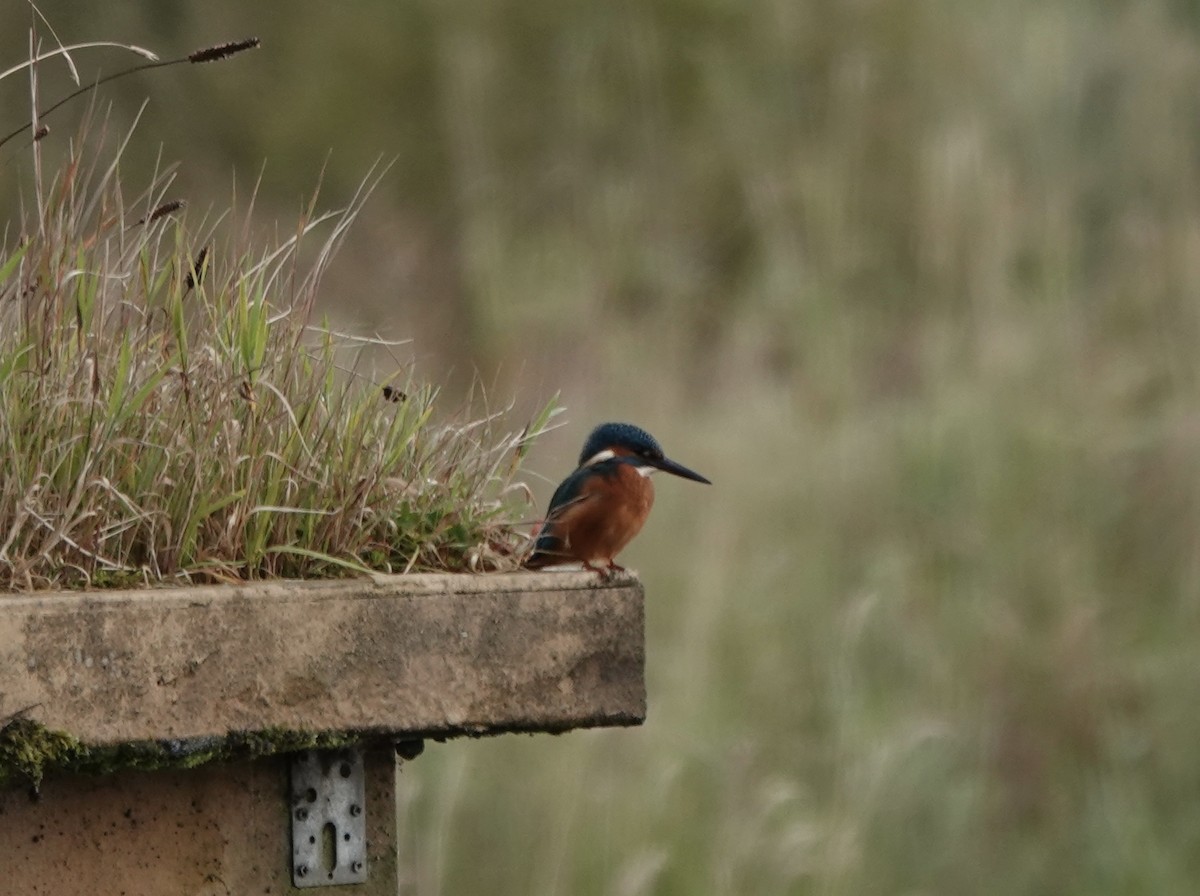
(329, 824)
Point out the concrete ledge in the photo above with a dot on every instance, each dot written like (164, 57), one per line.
(424, 655)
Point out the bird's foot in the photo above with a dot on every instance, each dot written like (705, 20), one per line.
(606, 573)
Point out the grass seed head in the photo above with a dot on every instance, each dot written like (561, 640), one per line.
(223, 51)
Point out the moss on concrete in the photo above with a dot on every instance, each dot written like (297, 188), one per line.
(29, 751)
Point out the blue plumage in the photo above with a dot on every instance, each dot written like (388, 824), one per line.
(613, 436)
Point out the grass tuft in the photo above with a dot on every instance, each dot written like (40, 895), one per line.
(163, 420)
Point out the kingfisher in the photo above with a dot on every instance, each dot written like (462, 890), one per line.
(599, 508)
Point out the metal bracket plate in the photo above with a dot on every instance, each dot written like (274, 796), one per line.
(329, 818)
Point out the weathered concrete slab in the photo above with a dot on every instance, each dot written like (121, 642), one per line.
(425, 655)
(210, 831)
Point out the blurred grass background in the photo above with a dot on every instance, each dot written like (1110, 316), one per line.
(914, 282)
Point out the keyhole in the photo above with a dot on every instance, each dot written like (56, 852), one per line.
(329, 848)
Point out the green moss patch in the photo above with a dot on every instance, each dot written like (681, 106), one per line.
(29, 751)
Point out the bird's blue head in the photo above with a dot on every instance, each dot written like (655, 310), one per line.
(610, 440)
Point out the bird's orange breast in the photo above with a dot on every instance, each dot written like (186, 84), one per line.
(611, 510)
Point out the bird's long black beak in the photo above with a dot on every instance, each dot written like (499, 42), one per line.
(669, 466)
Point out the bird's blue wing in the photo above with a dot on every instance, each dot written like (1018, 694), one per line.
(550, 548)
(569, 491)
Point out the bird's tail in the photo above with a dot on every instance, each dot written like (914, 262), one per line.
(536, 560)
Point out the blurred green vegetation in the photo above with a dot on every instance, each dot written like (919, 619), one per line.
(914, 283)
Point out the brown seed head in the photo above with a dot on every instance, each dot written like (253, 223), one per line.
(196, 274)
(166, 208)
(223, 51)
